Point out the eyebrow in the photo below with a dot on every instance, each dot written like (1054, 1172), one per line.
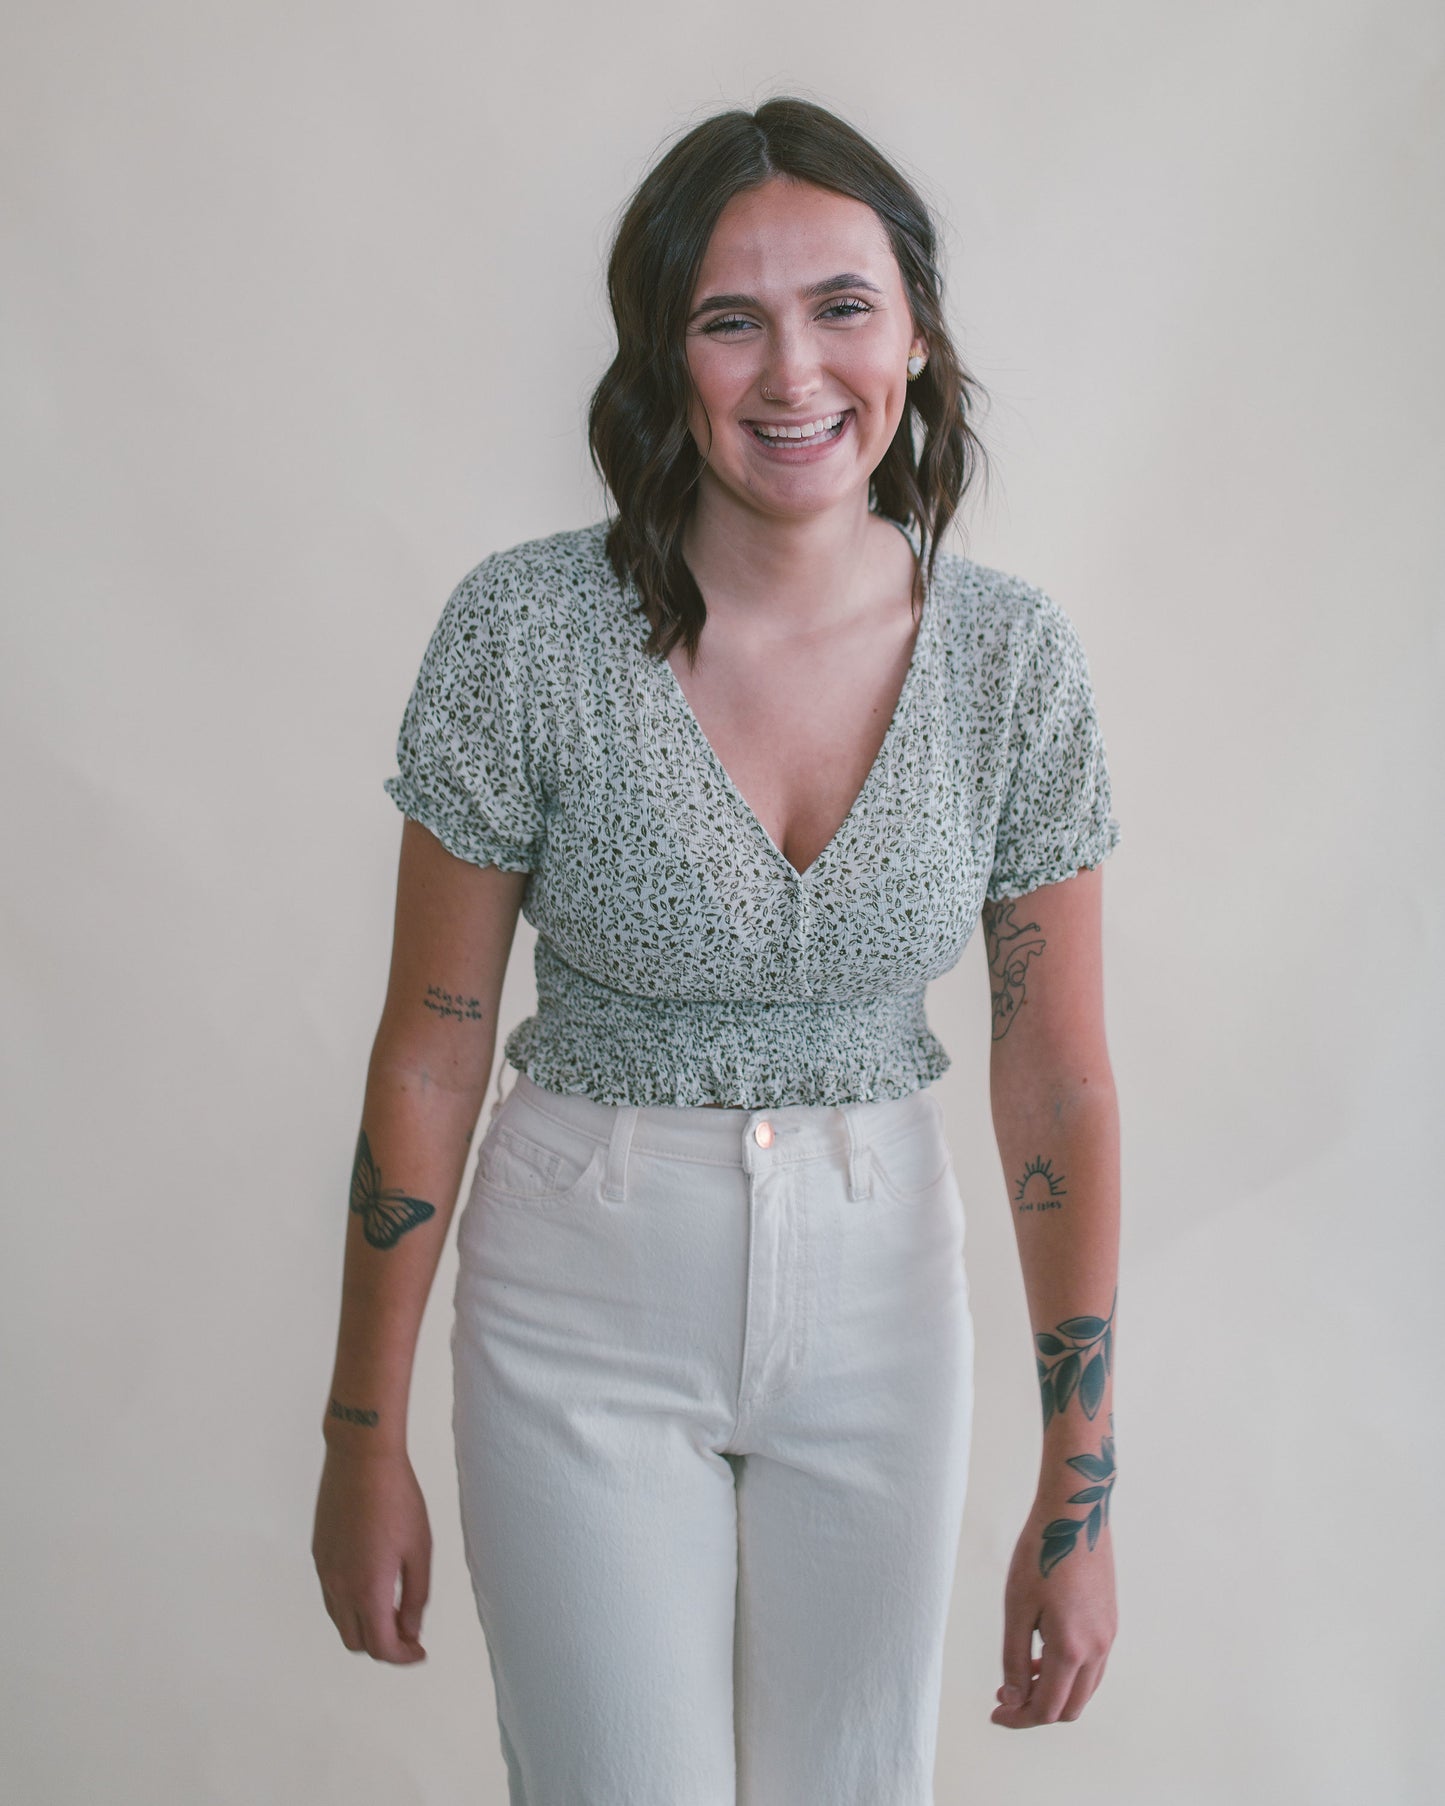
(815, 291)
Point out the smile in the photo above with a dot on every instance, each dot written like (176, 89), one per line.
(800, 442)
(824, 426)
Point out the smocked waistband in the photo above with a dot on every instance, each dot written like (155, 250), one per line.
(699, 1132)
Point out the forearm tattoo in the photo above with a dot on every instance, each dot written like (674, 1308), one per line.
(448, 1003)
(1061, 1534)
(1081, 1350)
(385, 1215)
(1045, 1193)
(1011, 945)
(353, 1414)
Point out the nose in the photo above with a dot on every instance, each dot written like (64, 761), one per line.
(790, 373)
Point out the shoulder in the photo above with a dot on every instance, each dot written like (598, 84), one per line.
(993, 602)
(547, 574)
(543, 593)
(1008, 622)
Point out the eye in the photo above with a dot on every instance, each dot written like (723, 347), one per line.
(847, 309)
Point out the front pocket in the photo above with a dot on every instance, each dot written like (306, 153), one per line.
(519, 1168)
(909, 1168)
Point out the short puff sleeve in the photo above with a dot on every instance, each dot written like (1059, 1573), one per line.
(464, 750)
(1055, 815)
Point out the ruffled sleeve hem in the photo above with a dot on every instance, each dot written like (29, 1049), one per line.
(1090, 851)
(462, 836)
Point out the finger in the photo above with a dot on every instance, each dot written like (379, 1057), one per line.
(1082, 1690)
(378, 1620)
(378, 1635)
(1033, 1675)
(1053, 1687)
(1018, 1658)
(415, 1586)
(1017, 1718)
(343, 1616)
(379, 1626)
(1052, 1680)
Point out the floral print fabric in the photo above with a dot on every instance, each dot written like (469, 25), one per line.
(680, 958)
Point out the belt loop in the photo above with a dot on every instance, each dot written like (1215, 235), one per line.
(502, 1070)
(860, 1178)
(614, 1186)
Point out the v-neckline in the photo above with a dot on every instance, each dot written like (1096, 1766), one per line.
(709, 751)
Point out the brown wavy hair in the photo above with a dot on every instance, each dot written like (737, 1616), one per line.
(637, 419)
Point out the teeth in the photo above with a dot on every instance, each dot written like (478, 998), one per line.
(808, 430)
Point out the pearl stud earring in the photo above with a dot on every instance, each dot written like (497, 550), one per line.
(915, 365)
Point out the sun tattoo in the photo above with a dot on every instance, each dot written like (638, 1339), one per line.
(385, 1215)
(1049, 1195)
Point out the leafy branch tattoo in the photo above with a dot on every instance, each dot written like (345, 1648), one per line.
(1061, 1534)
(444, 1003)
(385, 1215)
(1048, 1195)
(1070, 1371)
(352, 1413)
(1011, 945)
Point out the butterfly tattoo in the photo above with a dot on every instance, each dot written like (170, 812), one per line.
(385, 1215)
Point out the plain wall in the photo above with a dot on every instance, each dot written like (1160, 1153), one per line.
(302, 307)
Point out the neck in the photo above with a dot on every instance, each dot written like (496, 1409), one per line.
(798, 572)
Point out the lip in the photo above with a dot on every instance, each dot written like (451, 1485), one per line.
(799, 451)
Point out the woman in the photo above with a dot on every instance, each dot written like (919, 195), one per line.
(753, 764)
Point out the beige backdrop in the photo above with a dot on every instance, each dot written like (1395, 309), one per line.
(303, 304)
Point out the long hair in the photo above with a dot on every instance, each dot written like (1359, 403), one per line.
(637, 420)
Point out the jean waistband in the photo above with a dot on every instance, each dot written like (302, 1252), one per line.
(694, 1132)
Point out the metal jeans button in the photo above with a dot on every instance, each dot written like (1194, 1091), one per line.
(763, 1134)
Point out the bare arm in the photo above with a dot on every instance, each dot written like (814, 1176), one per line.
(1056, 1120)
(427, 1079)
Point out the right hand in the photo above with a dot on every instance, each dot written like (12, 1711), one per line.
(371, 1525)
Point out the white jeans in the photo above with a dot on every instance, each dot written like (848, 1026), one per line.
(713, 1403)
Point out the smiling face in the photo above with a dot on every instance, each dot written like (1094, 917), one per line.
(798, 319)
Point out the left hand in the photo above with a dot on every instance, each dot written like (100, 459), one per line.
(1073, 1609)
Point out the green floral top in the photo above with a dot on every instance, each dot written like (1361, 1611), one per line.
(680, 957)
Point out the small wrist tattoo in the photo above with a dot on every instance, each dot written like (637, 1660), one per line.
(446, 1003)
(352, 1414)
